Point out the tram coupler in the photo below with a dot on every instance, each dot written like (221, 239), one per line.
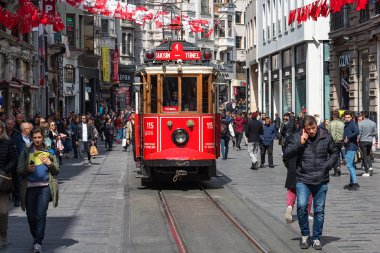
(179, 174)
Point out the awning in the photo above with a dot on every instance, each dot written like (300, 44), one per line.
(10, 84)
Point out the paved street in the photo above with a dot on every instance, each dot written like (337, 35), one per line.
(102, 208)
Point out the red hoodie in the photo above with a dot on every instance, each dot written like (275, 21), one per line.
(239, 123)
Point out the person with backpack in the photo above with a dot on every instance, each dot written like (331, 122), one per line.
(225, 134)
(336, 129)
(266, 142)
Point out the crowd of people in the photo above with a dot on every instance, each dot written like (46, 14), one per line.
(31, 152)
(310, 149)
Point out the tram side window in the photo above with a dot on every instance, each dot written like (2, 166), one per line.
(205, 108)
(170, 91)
(189, 94)
(153, 94)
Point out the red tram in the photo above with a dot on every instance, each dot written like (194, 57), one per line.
(177, 123)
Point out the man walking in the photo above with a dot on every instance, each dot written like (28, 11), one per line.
(351, 133)
(317, 154)
(367, 131)
(85, 136)
(336, 129)
(266, 142)
(253, 130)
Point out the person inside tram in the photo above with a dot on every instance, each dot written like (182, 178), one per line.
(174, 99)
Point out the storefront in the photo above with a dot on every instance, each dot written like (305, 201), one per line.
(287, 89)
(300, 78)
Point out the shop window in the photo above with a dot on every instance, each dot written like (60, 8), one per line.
(286, 95)
(69, 73)
(300, 94)
(301, 54)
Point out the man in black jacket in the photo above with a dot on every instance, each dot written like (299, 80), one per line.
(84, 135)
(253, 130)
(316, 154)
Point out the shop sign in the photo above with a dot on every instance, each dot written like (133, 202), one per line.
(106, 65)
(287, 73)
(344, 60)
(115, 65)
(49, 6)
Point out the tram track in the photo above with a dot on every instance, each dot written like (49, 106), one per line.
(178, 231)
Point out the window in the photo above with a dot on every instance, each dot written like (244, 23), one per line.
(70, 29)
(153, 94)
(129, 44)
(229, 26)
(189, 94)
(364, 14)
(69, 73)
(205, 97)
(124, 43)
(222, 29)
(170, 96)
(205, 7)
(238, 42)
(105, 28)
(238, 18)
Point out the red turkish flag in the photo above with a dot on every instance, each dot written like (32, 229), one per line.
(361, 5)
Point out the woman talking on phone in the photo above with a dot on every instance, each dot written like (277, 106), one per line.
(38, 169)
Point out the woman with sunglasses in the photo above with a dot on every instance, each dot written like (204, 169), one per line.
(38, 168)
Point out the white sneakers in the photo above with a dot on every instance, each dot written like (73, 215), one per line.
(37, 248)
(288, 214)
(365, 174)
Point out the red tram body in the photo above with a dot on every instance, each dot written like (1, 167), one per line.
(177, 132)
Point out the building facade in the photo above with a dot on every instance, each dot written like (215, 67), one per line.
(292, 61)
(354, 59)
(19, 91)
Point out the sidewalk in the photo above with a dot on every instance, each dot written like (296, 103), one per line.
(90, 213)
(352, 221)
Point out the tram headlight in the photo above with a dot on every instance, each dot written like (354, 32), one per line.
(180, 137)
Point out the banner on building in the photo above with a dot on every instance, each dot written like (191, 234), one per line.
(106, 65)
(115, 66)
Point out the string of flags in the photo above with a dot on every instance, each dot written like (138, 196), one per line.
(321, 8)
(141, 15)
(27, 17)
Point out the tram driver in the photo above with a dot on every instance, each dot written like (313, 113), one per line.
(174, 99)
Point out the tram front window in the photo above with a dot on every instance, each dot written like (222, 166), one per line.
(189, 94)
(170, 91)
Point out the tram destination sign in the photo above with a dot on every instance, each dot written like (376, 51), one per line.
(177, 53)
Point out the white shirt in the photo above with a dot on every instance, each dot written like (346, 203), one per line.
(84, 132)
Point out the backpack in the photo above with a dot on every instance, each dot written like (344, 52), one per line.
(224, 129)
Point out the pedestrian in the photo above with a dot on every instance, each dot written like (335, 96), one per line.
(350, 136)
(367, 132)
(316, 154)
(239, 123)
(253, 130)
(277, 123)
(109, 135)
(266, 142)
(8, 164)
(336, 129)
(224, 138)
(130, 133)
(84, 136)
(38, 168)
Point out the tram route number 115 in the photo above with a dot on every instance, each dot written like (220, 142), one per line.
(150, 125)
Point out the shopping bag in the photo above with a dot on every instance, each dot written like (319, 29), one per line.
(93, 151)
(373, 144)
(124, 143)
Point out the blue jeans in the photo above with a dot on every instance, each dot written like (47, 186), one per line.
(350, 165)
(319, 198)
(37, 203)
(224, 146)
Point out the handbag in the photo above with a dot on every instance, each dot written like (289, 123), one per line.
(6, 183)
(93, 150)
(124, 143)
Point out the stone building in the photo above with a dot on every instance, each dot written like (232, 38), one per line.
(354, 59)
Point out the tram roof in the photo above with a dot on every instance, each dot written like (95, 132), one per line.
(174, 69)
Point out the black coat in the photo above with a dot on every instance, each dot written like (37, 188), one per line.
(313, 165)
(8, 156)
(253, 130)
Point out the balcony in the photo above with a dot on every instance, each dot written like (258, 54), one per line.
(127, 24)
(56, 42)
(225, 42)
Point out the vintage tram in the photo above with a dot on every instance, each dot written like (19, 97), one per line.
(177, 134)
